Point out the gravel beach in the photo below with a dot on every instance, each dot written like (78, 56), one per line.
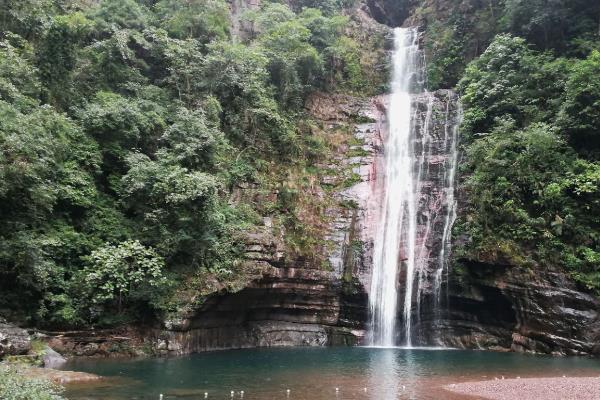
(531, 389)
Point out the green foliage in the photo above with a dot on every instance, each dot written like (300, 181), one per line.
(459, 31)
(550, 23)
(580, 112)
(343, 64)
(27, 18)
(530, 128)
(446, 51)
(128, 128)
(118, 273)
(456, 32)
(14, 386)
(294, 63)
(205, 19)
(120, 13)
(57, 55)
(495, 84)
(304, 51)
(19, 82)
(327, 7)
(192, 140)
(121, 124)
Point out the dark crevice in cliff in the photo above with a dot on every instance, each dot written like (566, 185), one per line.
(389, 12)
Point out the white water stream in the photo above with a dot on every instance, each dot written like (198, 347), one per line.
(411, 207)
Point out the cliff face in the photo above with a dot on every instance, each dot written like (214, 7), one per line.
(511, 308)
(299, 302)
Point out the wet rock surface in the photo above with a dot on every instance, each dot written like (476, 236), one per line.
(519, 309)
(52, 359)
(59, 377)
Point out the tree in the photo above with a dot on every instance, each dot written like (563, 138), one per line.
(57, 55)
(27, 18)
(551, 23)
(206, 20)
(294, 64)
(125, 128)
(192, 140)
(183, 60)
(580, 112)
(120, 125)
(127, 14)
(19, 83)
(510, 80)
(111, 64)
(116, 273)
(530, 172)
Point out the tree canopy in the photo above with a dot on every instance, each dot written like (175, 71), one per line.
(125, 124)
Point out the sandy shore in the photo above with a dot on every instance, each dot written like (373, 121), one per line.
(531, 389)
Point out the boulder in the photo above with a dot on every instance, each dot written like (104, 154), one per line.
(52, 359)
(13, 340)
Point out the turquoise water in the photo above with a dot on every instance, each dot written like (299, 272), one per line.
(313, 373)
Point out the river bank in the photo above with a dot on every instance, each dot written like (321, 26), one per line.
(56, 376)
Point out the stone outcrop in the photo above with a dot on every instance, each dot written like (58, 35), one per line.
(390, 12)
(51, 359)
(241, 28)
(13, 340)
(56, 376)
(295, 302)
(127, 342)
(502, 307)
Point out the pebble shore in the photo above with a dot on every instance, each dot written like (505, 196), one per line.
(531, 389)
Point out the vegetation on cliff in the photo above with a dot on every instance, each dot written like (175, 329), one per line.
(531, 136)
(127, 124)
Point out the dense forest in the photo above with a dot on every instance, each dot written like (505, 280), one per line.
(126, 125)
(530, 137)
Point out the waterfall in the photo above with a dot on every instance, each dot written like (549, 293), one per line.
(396, 233)
(417, 206)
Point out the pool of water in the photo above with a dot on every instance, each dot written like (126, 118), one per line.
(313, 373)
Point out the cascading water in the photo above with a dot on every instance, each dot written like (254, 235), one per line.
(418, 204)
(396, 233)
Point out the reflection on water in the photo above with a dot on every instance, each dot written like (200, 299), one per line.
(312, 374)
(383, 373)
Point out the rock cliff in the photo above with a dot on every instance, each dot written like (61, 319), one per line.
(483, 306)
(296, 301)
